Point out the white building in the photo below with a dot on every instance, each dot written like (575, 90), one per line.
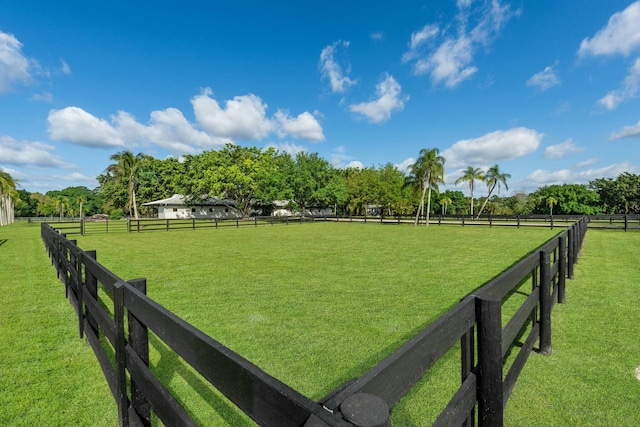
(177, 207)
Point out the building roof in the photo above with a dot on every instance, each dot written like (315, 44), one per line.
(181, 200)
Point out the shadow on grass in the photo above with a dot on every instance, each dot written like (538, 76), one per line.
(3, 241)
(171, 365)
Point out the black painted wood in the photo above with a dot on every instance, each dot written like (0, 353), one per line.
(516, 368)
(139, 342)
(458, 410)
(264, 398)
(519, 319)
(545, 304)
(490, 390)
(396, 374)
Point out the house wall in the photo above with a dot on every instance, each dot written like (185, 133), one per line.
(198, 212)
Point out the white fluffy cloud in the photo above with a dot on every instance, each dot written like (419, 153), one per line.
(14, 66)
(74, 125)
(541, 177)
(23, 153)
(332, 70)
(305, 126)
(558, 151)
(493, 147)
(544, 80)
(629, 89)
(389, 99)
(406, 164)
(243, 117)
(632, 131)
(450, 62)
(620, 36)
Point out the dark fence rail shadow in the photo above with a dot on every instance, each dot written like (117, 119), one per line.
(102, 300)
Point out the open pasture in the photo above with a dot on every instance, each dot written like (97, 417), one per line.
(313, 305)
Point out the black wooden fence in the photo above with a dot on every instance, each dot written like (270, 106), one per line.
(102, 300)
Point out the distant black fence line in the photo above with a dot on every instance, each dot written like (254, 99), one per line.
(476, 322)
(87, 226)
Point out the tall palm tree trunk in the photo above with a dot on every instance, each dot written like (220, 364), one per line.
(420, 208)
(485, 201)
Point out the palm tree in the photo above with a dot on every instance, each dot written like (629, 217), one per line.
(551, 201)
(444, 202)
(8, 197)
(471, 175)
(426, 173)
(127, 169)
(494, 178)
(61, 202)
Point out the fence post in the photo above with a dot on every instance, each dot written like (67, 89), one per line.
(518, 220)
(570, 250)
(545, 303)
(91, 285)
(167, 225)
(552, 222)
(139, 341)
(490, 389)
(626, 223)
(463, 220)
(562, 270)
(122, 399)
(255, 220)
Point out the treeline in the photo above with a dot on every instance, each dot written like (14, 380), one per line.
(254, 178)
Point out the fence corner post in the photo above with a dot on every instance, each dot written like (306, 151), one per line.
(363, 409)
(490, 386)
(139, 341)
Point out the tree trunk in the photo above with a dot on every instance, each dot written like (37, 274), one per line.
(135, 208)
(486, 200)
(428, 206)
(424, 190)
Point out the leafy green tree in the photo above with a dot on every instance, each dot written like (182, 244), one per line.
(237, 173)
(494, 178)
(571, 199)
(308, 180)
(471, 175)
(459, 203)
(28, 206)
(621, 195)
(425, 174)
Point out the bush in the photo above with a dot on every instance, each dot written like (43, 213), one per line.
(116, 214)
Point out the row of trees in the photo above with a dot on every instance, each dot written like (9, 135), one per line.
(254, 178)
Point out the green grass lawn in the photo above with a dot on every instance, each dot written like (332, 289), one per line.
(48, 376)
(313, 305)
(589, 379)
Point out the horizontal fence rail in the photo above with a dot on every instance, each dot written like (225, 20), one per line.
(86, 226)
(102, 300)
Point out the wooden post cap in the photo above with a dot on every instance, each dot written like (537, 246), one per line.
(365, 410)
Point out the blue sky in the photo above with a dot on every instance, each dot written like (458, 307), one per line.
(548, 89)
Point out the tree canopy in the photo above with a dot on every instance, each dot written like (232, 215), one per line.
(255, 178)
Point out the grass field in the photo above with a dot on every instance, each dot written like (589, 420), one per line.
(314, 305)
